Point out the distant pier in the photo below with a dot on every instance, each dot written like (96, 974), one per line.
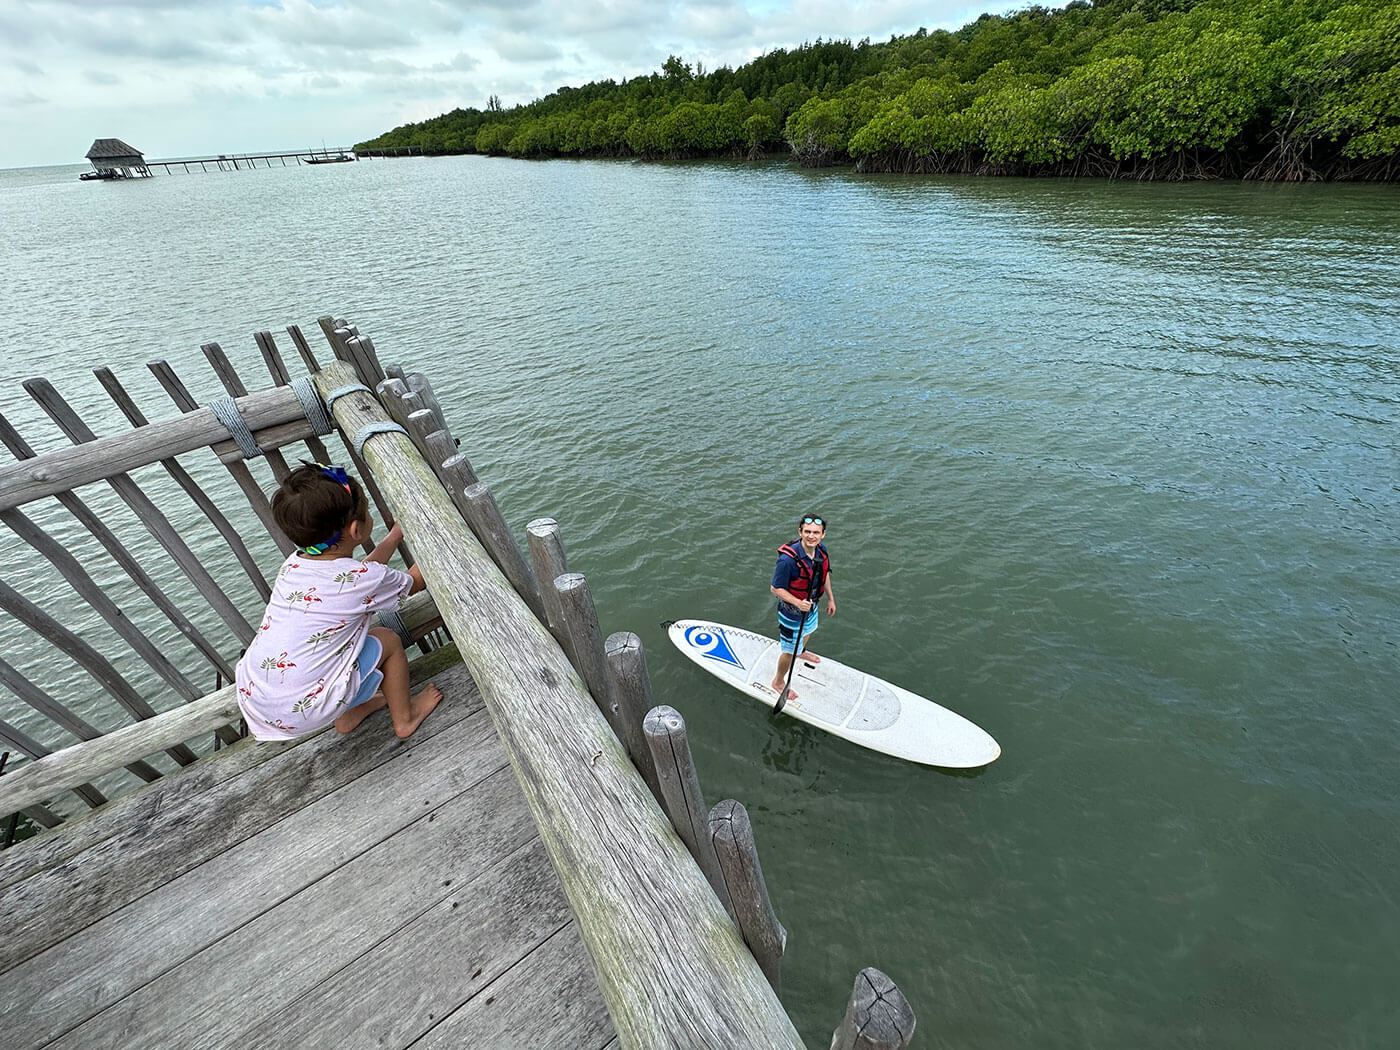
(240, 161)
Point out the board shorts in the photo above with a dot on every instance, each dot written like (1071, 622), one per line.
(787, 629)
(370, 674)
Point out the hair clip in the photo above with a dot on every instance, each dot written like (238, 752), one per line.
(336, 474)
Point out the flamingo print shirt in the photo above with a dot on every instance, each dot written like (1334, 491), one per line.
(299, 672)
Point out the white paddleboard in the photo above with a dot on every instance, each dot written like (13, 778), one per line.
(845, 702)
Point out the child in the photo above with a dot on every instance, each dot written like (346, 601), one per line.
(316, 659)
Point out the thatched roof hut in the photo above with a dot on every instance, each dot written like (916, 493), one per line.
(113, 158)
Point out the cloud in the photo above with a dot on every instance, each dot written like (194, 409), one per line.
(190, 76)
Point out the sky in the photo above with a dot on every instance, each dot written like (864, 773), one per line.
(179, 78)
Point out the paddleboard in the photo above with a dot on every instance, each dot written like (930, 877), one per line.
(841, 700)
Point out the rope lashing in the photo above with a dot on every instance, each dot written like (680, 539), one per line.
(340, 391)
(380, 426)
(226, 412)
(316, 413)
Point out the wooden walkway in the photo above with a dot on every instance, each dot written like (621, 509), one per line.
(345, 892)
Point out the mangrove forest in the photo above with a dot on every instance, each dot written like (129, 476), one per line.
(1153, 89)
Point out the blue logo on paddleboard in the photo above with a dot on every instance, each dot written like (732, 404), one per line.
(712, 644)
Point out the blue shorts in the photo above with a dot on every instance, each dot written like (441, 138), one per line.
(370, 674)
(787, 630)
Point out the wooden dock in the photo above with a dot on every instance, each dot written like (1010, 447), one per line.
(534, 867)
(345, 891)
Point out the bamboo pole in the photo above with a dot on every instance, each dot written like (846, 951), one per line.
(670, 964)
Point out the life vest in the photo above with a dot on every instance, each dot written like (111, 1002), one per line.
(802, 584)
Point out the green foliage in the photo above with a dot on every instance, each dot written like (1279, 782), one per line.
(1169, 88)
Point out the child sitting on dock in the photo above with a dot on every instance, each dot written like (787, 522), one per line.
(316, 659)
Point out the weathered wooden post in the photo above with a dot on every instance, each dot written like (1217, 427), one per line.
(390, 394)
(547, 556)
(878, 1017)
(627, 673)
(418, 383)
(680, 794)
(732, 835)
(584, 645)
(479, 508)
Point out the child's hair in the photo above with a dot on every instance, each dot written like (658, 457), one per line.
(313, 504)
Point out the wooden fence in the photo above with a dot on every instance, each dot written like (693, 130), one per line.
(670, 896)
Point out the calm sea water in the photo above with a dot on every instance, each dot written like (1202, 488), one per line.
(1111, 470)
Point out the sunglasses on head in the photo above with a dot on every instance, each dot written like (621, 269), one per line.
(813, 521)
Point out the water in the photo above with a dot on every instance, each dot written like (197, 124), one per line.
(1111, 470)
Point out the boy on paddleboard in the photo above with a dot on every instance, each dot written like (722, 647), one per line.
(802, 575)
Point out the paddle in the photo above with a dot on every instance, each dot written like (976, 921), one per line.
(796, 649)
(815, 593)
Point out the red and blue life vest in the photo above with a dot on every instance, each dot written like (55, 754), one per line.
(810, 580)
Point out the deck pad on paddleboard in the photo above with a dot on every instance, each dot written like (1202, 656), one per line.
(841, 700)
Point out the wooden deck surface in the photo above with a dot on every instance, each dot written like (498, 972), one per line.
(355, 891)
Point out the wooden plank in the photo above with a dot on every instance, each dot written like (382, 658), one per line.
(155, 522)
(670, 964)
(300, 940)
(150, 822)
(233, 383)
(548, 1000)
(308, 358)
(90, 520)
(73, 765)
(414, 979)
(13, 737)
(238, 470)
(58, 989)
(69, 468)
(182, 478)
(277, 368)
(91, 661)
(36, 781)
(45, 704)
(72, 570)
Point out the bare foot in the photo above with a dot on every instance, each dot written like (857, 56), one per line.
(777, 687)
(357, 714)
(422, 704)
(810, 657)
